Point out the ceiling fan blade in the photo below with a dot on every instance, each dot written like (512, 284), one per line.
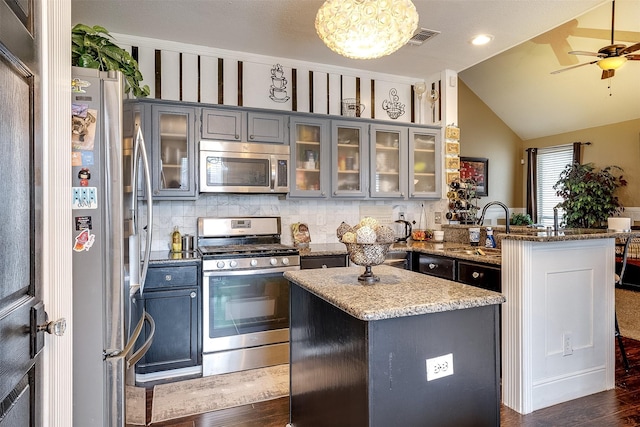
(593, 33)
(582, 52)
(560, 49)
(607, 74)
(633, 57)
(630, 49)
(570, 68)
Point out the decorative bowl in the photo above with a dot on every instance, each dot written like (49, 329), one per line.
(367, 255)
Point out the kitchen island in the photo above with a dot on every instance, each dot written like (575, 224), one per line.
(410, 350)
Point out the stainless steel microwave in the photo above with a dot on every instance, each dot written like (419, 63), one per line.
(238, 167)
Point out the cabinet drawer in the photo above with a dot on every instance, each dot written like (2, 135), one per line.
(434, 265)
(323, 261)
(480, 275)
(162, 277)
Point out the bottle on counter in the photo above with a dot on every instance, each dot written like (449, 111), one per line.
(176, 240)
(490, 241)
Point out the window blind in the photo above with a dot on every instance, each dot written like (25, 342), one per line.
(551, 162)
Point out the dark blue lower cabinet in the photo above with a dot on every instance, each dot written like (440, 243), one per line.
(176, 343)
(354, 373)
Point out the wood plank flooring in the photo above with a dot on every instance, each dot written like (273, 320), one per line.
(618, 407)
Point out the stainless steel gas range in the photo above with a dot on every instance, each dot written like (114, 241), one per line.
(245, 296)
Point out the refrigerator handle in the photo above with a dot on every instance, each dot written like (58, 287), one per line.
(141, 150)
(135, 357)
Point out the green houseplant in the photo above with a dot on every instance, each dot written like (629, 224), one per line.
(589, 194)
(520, 219)
(92, 47)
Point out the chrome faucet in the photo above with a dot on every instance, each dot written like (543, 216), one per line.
(484, 211)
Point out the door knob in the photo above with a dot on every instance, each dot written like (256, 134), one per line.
(55, 327)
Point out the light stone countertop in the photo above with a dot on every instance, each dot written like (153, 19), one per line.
(399, 293)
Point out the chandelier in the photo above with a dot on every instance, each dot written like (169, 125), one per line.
(366, 29)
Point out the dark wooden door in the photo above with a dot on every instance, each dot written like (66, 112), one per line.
(20, 225)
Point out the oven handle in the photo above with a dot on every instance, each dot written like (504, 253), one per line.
(219, 273)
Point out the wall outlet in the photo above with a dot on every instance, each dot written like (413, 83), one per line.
(567, 344)
(438, 367)
(438, 217)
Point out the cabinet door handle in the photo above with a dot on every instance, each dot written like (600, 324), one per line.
(167, 278)
(324, 266)
(475, 274)
(237, 136)
(192, 294)
(250, 136)
(432, 266)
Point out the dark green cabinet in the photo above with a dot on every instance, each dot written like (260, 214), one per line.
(172, 296)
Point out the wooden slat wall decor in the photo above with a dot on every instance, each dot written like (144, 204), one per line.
(191, 75)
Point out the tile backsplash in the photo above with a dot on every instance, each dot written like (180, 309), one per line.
(322, 216)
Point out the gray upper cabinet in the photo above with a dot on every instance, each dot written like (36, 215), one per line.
(425, 158)
(265, 127)
(173, 153)
(220, 123)
(389, 162)
(242, 126)
(169, 134)
(349, 159)
(310, 154)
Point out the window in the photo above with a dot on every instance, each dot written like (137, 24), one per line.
(551, 161)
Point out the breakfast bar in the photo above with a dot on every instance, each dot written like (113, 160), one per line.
(408, 350)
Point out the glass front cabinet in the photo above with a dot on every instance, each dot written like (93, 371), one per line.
(310, 157)
(349, 164)
(389, 161)
(424, 163)
(173, 152)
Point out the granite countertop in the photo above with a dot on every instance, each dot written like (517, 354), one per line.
(399, 293)
(448, 249)
(167, 257)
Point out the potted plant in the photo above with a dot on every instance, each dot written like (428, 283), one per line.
(589, 194)
(520, 219)
(91, 47)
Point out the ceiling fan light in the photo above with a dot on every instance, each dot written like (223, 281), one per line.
(612, 62)
(366, 29)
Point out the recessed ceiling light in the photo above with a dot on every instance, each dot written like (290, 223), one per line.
(481, 39)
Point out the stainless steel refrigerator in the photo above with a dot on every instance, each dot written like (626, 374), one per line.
(107, 244)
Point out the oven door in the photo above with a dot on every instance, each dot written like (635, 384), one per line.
(243, 309)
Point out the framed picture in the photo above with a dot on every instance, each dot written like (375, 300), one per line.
(476, 168)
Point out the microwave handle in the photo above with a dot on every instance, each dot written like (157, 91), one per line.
(274, 169)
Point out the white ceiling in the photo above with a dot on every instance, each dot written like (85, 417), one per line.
(515, 84)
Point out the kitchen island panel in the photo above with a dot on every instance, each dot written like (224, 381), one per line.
(351, 372)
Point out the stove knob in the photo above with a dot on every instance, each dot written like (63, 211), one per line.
(273, 261)
(220, 264)
(253, 263)
(285, 261)
(233, 264)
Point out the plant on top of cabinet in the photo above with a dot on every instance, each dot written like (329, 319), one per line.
(589, 194)
(91, 47)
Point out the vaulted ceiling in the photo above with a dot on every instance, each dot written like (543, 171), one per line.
(511, 75)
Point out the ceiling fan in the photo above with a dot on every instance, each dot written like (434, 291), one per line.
(610, 57)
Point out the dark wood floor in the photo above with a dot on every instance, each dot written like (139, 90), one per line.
(619, 407)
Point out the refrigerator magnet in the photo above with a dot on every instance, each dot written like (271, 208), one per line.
(84, 241)
(85, 198)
